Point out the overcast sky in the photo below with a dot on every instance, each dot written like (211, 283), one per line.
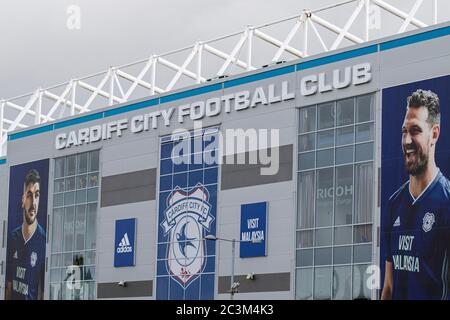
(37, 48)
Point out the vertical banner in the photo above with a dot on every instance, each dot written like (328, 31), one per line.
(27, 222)
(253, 230)
(125, 239)
(415, 193)
(187, 213)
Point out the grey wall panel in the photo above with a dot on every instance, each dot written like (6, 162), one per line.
(261, 283)
(128, 187)
(283, 119)
(243, 175)
(416, 71)
(280, 235)
(145, 245)
(29, 149)
(130, 154)
(131, 290)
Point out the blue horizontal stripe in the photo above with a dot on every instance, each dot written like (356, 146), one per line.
(432, 34)
(191, 93)
(337, 57)
(79, 120)
(2, 161)
(30, 132)
(259, 76)
(131, 107)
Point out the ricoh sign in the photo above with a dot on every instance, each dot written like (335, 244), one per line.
(233, 102)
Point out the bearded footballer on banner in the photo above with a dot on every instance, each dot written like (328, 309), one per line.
(416, 232)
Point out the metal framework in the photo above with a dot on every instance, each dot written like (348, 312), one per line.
(310, 32)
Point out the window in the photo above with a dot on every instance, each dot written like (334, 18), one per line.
(74, 219)
(335, 198)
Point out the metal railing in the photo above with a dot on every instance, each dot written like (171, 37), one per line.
(308, 33)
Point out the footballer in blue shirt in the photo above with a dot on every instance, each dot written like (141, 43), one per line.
(416, 232)
(26, 249)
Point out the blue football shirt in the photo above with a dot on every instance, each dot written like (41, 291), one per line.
(26, 264)
(417, 241)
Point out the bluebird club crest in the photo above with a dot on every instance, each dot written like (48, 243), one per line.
(428, 221)
(185, 219)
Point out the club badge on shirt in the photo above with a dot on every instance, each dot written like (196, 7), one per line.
(428, 221)
(33, 258)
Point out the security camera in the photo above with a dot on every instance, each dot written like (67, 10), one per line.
(122, 283)
(250, 276)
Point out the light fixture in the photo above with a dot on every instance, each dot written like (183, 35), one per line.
(122, 283)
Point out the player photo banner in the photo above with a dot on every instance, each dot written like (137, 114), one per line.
(26, 240)
(415, 192)
(187, 213)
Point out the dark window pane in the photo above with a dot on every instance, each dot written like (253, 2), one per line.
(326, 115)
(69, 198)
(304, 284)
(306, 142)
(92, 180)
(59, 167)
(345, 112)
(323, 237)
(59, 185)
(342, 255)
(345, 135)
(304, 239)
(362, 233)
(364, 108)
(364, 192)
(56, 259)
(306, 160)
(69, 217)
(344, 155)
(322, 256)
(55, 275)
(81, 181)
(364, 132)
(58, 200)
(57, 230)
(70, 184)
(342, 235)
(92, 194)
(360, 288)
(93, 161)
(325, 158)
(307, 119)
(82, 163)
(344, 195)
(362, 253)
(71, 165)
(324, 197)
(325, 139)
(305, 207)
(322, 283)
(342, 277)
(81, 196)
(91, 222)
(80, 226)
(364, 152)
(304, 258)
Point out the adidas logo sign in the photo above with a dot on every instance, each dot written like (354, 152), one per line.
(124, 245)
(397, 222)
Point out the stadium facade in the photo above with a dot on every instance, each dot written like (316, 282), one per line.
(125, 219)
